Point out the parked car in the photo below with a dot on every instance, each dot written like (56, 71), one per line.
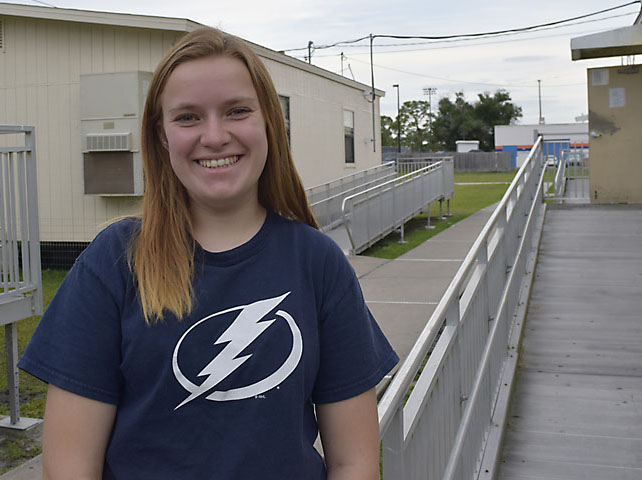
(574, 160)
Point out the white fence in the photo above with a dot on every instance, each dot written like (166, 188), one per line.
(442, 405)
(20, 279)
(372, 214)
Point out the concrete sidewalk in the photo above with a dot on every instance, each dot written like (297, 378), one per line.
(401, 293)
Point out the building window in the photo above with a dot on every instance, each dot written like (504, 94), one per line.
(285, 107)
(348, 135)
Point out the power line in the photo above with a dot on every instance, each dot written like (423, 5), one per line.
(458, 40)
(450, 80)
(320, 47)
(44, 3)
(511, 30)
(438, 45)
(469, 35)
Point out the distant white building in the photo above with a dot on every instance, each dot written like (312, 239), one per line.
(519, 139)
(80, 77)
(464, 146)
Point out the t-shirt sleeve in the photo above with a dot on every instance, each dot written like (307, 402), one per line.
(76, 345)
(354, 354)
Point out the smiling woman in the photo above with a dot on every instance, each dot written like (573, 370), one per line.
(214, 131)
(218, 334)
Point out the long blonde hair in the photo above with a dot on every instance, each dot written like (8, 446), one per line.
(162, 253)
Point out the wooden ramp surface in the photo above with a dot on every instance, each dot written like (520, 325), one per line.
(577, 406)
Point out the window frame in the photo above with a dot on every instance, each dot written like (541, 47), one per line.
(348, 137)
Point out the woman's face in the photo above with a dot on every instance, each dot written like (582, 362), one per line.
(215, 133)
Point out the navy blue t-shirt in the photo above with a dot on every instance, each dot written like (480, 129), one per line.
(278, 324)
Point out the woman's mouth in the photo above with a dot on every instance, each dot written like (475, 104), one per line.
(221, 162)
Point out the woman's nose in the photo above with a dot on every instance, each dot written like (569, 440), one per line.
(215, 133)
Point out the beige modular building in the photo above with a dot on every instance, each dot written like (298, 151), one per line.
(80, 77)
(615, 114)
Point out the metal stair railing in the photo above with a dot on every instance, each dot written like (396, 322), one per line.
(328, 211)
(439, 411)
(20, 275)
(326, 190)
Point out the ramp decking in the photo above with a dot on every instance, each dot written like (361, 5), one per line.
(577, 407)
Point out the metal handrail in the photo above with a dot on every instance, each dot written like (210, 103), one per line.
(482, 290)
(420, 200)
(560, 178)
(21, 284)
(346, 179)
(335, 215)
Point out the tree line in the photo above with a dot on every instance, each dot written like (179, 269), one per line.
(423, 131)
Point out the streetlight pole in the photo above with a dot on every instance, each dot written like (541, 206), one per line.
(396, 85)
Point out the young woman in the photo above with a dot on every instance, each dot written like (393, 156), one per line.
(215, 336)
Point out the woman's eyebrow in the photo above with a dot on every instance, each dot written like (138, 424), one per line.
(180, 107)
(225, 104)
(240, 100)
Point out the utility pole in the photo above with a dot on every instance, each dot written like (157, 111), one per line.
(430, 91)
(342, 57)
(396, 85)
(539, 94)
(373, 94)
(310, 51)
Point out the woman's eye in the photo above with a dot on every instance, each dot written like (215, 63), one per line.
(239, 112)
(186, 117)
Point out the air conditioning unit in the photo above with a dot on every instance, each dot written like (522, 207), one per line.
(108, 142)
(111, 110)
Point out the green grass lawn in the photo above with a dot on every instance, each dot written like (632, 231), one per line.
(467, 200)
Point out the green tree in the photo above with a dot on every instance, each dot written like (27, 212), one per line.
(414, 116)
(453, 122)
(492, 110)
(460, 120)
(388, 131)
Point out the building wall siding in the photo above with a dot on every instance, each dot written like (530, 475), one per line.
(39, 85)
(40, 72)
(316, 118)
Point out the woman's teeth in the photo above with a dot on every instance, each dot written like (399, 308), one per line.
(221, 162)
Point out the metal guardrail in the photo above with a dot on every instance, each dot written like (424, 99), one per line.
(437, 413)
(577, 175)
(328, 211)
(372, 214)
(572, 176)
(20, 276)
(560, 179)
(330, 189)
(326, 199)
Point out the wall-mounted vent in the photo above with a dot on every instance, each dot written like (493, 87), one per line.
(1, 35)
(108, 142)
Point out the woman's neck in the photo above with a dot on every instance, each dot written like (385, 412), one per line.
(219, 231)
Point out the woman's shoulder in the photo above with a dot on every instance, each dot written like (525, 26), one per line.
(305, 234)
(112, 243)
(313, 247)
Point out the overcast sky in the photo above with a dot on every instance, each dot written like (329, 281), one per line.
(512, 62)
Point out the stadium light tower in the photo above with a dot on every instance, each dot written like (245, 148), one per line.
(430, 91)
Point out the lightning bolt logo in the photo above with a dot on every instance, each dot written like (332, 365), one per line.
(247, 326)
